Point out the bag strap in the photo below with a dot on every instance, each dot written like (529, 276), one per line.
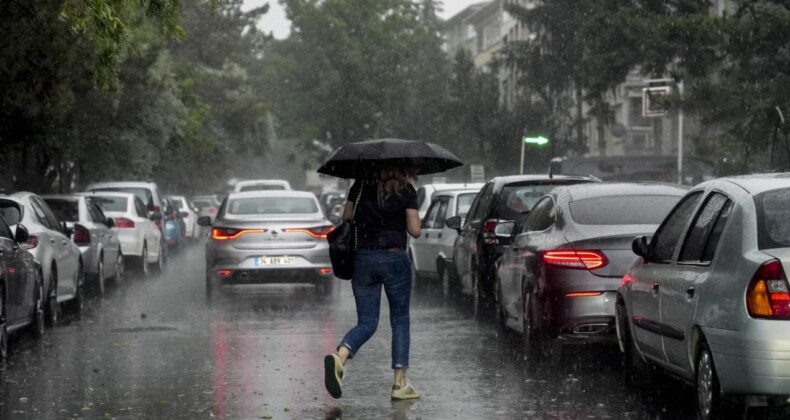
(354, 214)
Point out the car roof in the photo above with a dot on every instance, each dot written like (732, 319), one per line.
(758, 183)
(510, 179)
(270, 193)
(610, 189)
(133, 184)
(107, 194)
(454, 186)
(457, 192)
(263, 182)
(65, 197)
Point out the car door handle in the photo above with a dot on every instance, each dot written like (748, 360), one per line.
(52, 241)
(427, 234)
(690, 292)
(64, 242)
(655, 288)
(440, 235)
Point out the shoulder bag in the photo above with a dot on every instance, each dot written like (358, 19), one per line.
(343, 244)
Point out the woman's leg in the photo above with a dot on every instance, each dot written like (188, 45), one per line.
(397, 284)
(367, 294)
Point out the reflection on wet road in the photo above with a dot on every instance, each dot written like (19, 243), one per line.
(157, 349)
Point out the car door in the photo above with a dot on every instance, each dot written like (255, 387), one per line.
(105, 235)
(533, 239)
(14, 272)
(466, 249)
(679, 291)
(648, 277)
(434, 242)
(421, 245)
(150, 230)
(67, 255)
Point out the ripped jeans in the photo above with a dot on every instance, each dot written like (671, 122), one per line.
(372, 269)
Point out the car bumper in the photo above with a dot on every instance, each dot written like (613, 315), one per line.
(131, 245)
(755, 360)
(581, 305)
(307, 266)
(90, 259)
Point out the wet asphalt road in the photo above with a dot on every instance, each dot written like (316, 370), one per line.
(155, 349)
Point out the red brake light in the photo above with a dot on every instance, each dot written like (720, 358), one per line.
(768, 295)
(489, 226)
(81, 235)
(316, 232)
(224, 273)
(212, 211)
(31, 243)
(489, 234)
(224, 234)
(574, 259)
(123, 223)
(156, 209)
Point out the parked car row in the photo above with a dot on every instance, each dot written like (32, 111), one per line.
(693, 282)
(53, 247)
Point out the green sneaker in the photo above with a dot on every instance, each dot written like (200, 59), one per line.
(407, 392)
(333, 375)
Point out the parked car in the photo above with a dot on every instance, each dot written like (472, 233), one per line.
(432, 252)
(558, 280)
(189, 216)
(21, 287)
(175, 228)
(141, 241)
(147, 192)
(206, 205)
(268, 237)
(425, 193)
(49, 242)
(476, 249)
(708, 299)
(262, 185)
(92, 231)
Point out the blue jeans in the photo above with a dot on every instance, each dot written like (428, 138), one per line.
(372, 269)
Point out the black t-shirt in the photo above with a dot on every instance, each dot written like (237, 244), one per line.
(381, 227)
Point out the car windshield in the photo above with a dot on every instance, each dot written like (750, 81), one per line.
(773, 214)
(144, 194)
(271, 205)
(623, 210)
(109, 203)
(464, 203)
(66, 210)
(177, 203)
(517, 199)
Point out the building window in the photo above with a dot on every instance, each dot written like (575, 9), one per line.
(635, 118)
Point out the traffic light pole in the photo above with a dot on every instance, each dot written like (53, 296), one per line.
(523, 146)
(680, 137)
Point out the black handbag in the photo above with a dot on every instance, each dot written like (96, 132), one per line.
(343, 244)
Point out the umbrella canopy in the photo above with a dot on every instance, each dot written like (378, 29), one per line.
(355, 160)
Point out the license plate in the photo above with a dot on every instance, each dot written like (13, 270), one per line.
(284, 260)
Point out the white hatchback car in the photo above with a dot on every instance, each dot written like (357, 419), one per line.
(141, 240)
(425, 193)
(188, 214)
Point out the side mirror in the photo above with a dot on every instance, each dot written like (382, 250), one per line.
(641, 247)
(22, 235)
(504, 229)
(184, 214)
(155, 216)
(204, 221)
(453, 222)
(110, 222)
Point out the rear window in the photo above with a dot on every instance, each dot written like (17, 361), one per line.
(623, 210)
(106, 204)
(201, 204)
(144, 194)
(773, 219)
(271, 205)
(65, 210)
(517, 199)
(177, 203)
(262, 187)
(464, 204)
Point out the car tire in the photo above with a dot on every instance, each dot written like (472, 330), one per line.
(119, 269)
(52, 306)
(99, 279)
(159, 266)
(38, 308)
(3, 328)
(500, 317)
(536, 345)
(78, 302)
(143, 268)
(636, 369)
(444, 281)
(711, 403)
(212, 288)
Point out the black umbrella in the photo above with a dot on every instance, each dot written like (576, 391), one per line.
(355, 160)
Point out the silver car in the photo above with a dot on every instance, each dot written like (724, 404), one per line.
(432, 252)
(92, 231)
(268, 237)
(709, 299)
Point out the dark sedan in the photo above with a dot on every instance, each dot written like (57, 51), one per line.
(21, 287)
(557, 282)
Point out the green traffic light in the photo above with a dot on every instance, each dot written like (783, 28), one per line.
(539, 141)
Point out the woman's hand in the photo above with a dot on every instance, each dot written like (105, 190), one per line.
(413, 223)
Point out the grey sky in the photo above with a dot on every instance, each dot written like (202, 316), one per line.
(276, 21)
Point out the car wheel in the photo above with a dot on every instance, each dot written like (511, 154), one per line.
(637, 370)
(499, 310)
(38, 309)
(414, 275)
(119, 270)
(444, 279)
(100, 278)
(711, 403)
(536, 345)
(52, 305)
(3, 328)
(79, 292)
(143, 267)
(211, 287)
(159, 265)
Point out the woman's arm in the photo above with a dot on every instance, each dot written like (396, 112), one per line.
(413, 223)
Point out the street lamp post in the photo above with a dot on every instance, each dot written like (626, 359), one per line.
(538, 141)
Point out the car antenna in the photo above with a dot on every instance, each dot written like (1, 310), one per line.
(595, 178)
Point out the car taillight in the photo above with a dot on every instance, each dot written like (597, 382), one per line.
(158, 223)
(224, 234)
(81, 235)
(212, 211)
(489, 235)
(123, 223)
(768, 295)
(575, 259)
(32, 242)
(156, 209)
(316, 232)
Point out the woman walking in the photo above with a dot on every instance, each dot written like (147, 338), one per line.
(385, 213)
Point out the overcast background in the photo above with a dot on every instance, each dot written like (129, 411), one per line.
(275, 21)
